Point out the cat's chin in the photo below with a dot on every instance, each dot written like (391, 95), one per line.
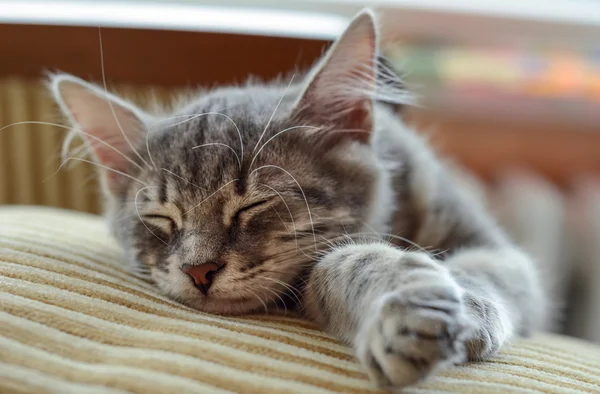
(226, 306)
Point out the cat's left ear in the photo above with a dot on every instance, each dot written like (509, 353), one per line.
(339, 93)
(110, 125)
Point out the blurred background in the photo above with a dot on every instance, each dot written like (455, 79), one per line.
(509, 92)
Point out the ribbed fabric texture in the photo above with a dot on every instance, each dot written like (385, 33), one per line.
(29, 152)
(30, 148)
(73, 320)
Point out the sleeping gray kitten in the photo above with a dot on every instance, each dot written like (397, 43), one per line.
(249, 197)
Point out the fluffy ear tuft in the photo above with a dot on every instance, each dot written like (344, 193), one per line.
(110, 126)
(340, 91)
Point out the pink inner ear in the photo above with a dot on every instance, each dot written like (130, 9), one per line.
(361, 117)
(108, 124)
(105, 155)
(339, 94)
(109, 158)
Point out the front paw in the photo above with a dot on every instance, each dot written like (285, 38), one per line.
(413, 332)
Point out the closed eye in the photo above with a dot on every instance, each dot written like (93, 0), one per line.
(253, 205)
(162, 222)
(248, 208)
(157, 217)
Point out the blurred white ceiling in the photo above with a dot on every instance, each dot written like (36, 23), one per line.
(463, 20)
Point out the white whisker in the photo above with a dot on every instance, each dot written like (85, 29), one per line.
(96, 164)
(393, 236)
(281, 132)
(301, 190)
(276, 295)
(281, 219)
(289, 287)
(182, 178)
(188, 118)
(112, 109)
(140, 217)
(149, 130)
(440, 253)
(273, 114)
(291, 217)
(328, 242)
(224, 145)
(288, 209)
(192, 117)
(296, 276)
(110, 147)
(148, 148)
(77, 131)
(260, 299)
(220, 114)
(36, 122)
(218, 190)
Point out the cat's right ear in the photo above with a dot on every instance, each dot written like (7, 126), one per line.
(110, 125)
(340, 91)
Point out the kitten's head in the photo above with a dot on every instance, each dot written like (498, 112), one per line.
(226, 202)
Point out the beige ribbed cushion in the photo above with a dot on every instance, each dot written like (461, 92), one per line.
(73, 320)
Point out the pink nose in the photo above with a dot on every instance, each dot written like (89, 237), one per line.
(202, 274)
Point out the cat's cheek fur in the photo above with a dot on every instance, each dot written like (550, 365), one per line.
(172, 281)
(384, 203)
(383, 199)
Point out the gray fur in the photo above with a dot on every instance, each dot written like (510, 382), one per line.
(322, 200)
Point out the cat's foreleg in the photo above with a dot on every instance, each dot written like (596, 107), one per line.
(408, 315)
